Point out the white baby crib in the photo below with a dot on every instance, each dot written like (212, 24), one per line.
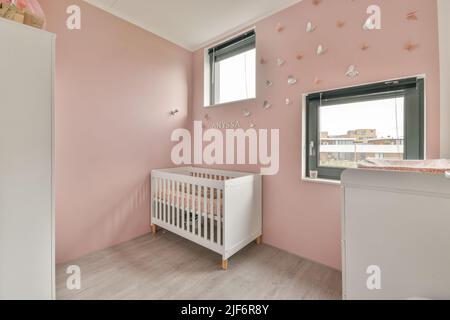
(220, 210)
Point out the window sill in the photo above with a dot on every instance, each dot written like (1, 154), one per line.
(231, 103)
(322, 181)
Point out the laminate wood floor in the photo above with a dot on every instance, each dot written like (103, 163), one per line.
(170, 267)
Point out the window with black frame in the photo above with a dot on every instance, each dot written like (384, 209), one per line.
(233, 69)
(383, 121)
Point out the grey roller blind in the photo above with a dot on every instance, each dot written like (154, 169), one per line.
(235, 46)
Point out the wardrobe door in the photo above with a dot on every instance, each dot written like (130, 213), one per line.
(444, 62)
(26, 162)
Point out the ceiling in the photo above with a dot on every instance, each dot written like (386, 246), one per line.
(192, 24)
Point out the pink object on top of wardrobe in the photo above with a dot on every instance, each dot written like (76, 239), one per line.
(439, 166)
(28, 12)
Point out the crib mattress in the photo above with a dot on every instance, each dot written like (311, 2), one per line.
(191, 202)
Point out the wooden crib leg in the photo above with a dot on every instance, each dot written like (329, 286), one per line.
(225, 264)
(153, 227)
(259, 240)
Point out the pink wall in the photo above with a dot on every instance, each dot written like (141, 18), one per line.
(301, 217)
(115, 85)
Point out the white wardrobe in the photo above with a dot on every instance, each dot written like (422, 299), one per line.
(26, 162)
(395, 235)
(444, 52)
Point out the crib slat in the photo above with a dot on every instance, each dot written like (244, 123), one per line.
(199, 190)
(155, 198)
(161, 195)
(178, 206)
(193, 205)
(159, 199)
(183, 197)
(219, 217)
(188, 207)
(164, 196)
(172, 202)
(166, 199)
(174, 206)
(191, 218)
(211, 213)
(174, 214)
(169, 200)
(169, 195)
(205, 213)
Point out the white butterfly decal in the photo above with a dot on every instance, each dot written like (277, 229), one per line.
(352, 72)
(292, 80)
(310, 27)
(267, 105)
(321, 50)
(280, 62)
(246, 113)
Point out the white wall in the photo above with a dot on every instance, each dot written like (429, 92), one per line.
(444, 43)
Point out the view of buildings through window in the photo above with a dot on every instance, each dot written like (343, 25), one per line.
(350, 133)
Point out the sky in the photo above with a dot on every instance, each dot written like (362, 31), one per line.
(238, 77)
(380, 115)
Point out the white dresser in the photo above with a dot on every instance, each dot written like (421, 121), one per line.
(398, 222)
(26, 162)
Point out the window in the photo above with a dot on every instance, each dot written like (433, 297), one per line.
(383, 121)
(233, 70)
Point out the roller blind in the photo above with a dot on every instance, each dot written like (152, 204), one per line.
(235, 46)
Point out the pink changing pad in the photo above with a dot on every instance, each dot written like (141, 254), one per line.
(426, 166)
